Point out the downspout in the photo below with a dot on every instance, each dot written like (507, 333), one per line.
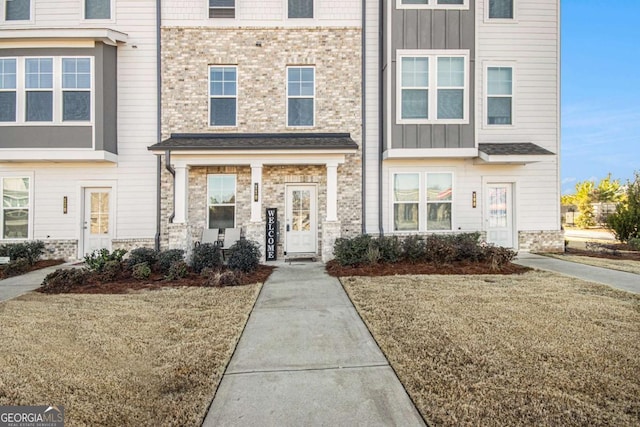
(172, 171)
(380, 113)
(159, 123)
(363, 88)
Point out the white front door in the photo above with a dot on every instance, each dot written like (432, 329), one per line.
(499, 214)
(300, 219)
(97, 224)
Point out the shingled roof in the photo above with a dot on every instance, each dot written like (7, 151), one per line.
(513, 149)
(257, 141)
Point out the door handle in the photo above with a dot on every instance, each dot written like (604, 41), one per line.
(288, 227)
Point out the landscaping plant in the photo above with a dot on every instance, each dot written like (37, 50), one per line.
(168, 258)
(625, 222)
(244, 256)
(97, 260)
(206, 255)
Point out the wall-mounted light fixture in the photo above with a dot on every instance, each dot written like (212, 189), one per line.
(474, 200)
(64, 205)
(255, 192)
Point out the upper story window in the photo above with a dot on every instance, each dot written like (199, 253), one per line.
(97, 9)
(422, 201)
(501, 9)
(223, 96)
(53, 90)
(499, 95)
(222, 8)
(221, 201)
(18, 10)
(300, 96)
(7, 90)
(432, 87)
(14, 215)
(432, 4)
(300, 8)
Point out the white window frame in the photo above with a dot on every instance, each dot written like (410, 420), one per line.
(433, 4)
(210, 97)
(17, 175)
(433, 56)
(313, 68)
(31, 19)
(423, 174)
(235, 197)
(485, 98)
(63, 90)
(21, 93)
(286, 11)
(14, 90)
(513, 20)
(211, 8)
(112, 13)
(52, 89)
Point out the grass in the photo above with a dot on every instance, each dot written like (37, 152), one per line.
(531, 349)
(630, 266)
(145, 358)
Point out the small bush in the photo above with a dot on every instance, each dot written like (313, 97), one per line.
(111, 271)
(167, 258)
(413, 248)
(206, 255)
(389, 248)
(17, 267)
(467, 247)
(498, 257)
(217, 279)
(634, 243)
(141, 271)
(97, 260)
(141, 255)
(63, 279)
(244, 256)
(625, 222)
(440, 249)
(31, 251)
(177, 270)
(352, 251)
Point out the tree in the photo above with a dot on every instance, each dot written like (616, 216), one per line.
(584, 199)
(608, 191)
(587, 193)
(625, 222)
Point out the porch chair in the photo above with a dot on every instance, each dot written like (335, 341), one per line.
(231, 237)
(210, 235)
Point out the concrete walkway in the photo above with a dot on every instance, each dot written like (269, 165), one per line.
(306, 358)
(614, 278)
(18, 285)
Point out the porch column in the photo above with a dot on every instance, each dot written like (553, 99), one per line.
(180, 192)
(256, 192)
(332, 191)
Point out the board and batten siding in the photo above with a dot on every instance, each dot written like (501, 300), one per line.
(372, 116)
(133, 177)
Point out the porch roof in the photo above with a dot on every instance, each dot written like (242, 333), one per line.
(256, 141)
(512, 152)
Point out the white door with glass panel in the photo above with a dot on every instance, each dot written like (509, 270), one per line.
(499, 214)
(300, 222)
(98, 224)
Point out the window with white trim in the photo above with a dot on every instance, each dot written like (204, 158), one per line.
(76, 89)
(499, 95)
(300, 96)
(221, 201)
(300, 8)
(97, 9)
(17, 10)
(223, 96)
(501, 9)
(432, 4)
(222, 8)
(422, 201)
(432, 87)
(15, 211)
(39, 89)
(8, 89)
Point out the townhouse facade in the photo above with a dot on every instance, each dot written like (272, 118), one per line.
(144, 122)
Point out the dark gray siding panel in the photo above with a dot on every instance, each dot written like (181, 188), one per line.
(110, 98)
(45, 137)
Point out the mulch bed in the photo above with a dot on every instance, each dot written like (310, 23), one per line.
(124, 285)
(607, 254)
(37, 266)
(404, 268)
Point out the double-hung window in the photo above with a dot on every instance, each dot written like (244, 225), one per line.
(499, 95)
(422, 201)
(501, 9)
(97, 9)
(39, 89)
(433, 87)
(8, 89)
(300, 8)
(223, 96)
(15, 207)
(300, 96)
(76, 89)
(222, 8)
(432, 4)
(221, 201)
(17, 10)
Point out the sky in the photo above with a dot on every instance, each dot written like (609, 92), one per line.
(600, 91)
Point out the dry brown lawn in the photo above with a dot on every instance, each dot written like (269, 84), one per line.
(630, 266)
(531, 349)
(145, 358)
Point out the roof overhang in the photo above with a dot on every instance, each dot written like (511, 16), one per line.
(430, 153)
(33, 36)
(56, 156)
(519, 153)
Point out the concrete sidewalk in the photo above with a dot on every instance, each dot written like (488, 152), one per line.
(306, 358)
(18, 285)
(614, 278)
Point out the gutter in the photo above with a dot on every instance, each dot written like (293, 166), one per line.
(159, 123)
(363, 88)
(172, 171)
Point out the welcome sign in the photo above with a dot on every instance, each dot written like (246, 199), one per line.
(271, 250)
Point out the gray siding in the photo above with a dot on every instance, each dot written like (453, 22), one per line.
(25, 136)
(430, 29)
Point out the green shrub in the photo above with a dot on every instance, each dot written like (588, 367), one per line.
(467, 246)
(440, 249)
(31, 251)
(217, 279)
(634, 242)
(63, 279)
(389, 248)
(17, 267)
(141, 255)
(413, 248)
(177, 270)
(244, 256)
(141, 271)
(206, 255)
(352, 251)
(625, 222)
(97, 260)
(167, 258)
(111, 271)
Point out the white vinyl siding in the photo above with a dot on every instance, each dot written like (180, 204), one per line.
(223, 93)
